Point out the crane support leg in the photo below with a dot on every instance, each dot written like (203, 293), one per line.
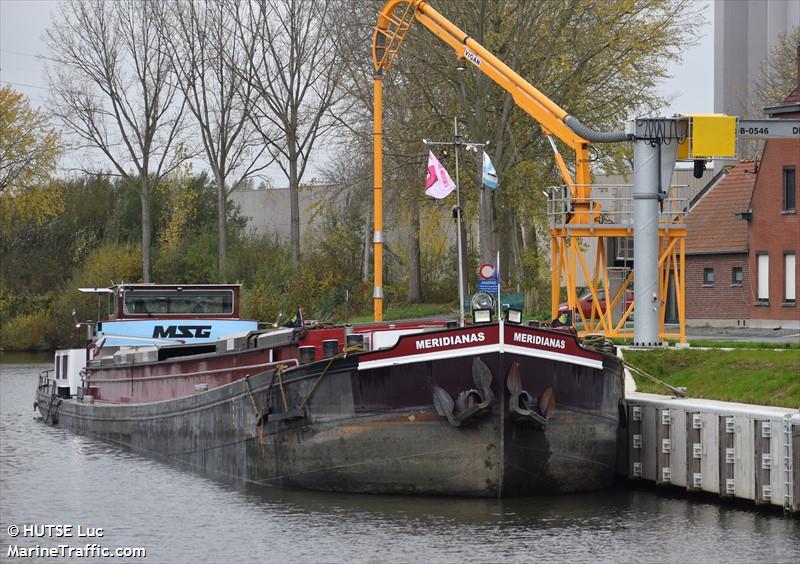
(377, 159)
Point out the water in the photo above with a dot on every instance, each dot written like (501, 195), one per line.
(49, 476)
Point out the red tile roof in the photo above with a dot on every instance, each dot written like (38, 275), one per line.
(793, 98)
(711, 225)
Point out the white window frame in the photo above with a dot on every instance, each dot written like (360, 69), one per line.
(762, 261)
(789, 281)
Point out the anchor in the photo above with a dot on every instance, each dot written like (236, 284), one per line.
(470, 404)
(521, 405)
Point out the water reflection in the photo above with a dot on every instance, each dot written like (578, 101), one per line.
(48, 475)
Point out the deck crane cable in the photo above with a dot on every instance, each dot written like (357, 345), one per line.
(662, 132)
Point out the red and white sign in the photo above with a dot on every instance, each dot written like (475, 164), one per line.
(435, 345)
(439, 345)
(486, 271)
(548, 344)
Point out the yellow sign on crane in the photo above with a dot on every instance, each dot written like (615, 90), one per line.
(710, 136)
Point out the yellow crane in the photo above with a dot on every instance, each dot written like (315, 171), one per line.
(582, 218)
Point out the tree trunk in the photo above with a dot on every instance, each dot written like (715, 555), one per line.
(516, 250)
(294, 204)
(144, 193)
(487, 226)
(414, 263)
(222, 240)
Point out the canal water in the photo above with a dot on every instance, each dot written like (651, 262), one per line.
(51, 477)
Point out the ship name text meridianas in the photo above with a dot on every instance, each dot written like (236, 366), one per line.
(539, 340)
(451, 340)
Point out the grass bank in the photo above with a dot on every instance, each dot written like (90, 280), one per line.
(764, 377)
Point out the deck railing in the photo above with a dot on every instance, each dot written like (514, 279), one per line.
(45, 383)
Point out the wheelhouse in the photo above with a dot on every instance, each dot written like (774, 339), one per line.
(141, 301)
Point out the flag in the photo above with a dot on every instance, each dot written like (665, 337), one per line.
(489, 176)
(295, 320)
(438, 184)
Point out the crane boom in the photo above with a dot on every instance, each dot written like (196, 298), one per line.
(526, 96)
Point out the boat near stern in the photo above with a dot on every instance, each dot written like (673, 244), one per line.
(493, 410)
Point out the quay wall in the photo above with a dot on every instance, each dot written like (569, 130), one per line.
(730, 449)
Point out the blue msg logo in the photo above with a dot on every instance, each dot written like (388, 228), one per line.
(182, 332)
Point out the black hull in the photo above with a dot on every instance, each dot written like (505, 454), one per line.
(376, 430)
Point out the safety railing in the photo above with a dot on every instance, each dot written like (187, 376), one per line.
(611, 206)
(45, 383)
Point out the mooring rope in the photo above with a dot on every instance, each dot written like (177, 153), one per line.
(681, 393)
(279, 373)
(605, 346)
(252, 399)
(600, 344)
(342, 354)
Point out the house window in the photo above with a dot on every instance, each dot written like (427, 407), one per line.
(763, 278)
(789, 189)
(708, 277)
(624, 248)
(737, 276)
(789, 288)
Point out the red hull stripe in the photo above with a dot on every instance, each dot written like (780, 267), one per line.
(127, 378)
(485, 349)
(482, 340)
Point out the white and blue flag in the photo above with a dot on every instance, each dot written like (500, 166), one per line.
(489, 176)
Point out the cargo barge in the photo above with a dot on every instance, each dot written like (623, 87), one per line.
(490, 409)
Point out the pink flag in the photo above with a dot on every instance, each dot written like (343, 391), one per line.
(438, 183)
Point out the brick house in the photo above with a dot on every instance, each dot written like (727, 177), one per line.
(743, 238)
(774, 228)
(717, 268)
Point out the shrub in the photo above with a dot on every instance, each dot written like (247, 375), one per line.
(25, 332)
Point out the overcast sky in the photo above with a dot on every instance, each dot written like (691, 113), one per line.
(23, 23)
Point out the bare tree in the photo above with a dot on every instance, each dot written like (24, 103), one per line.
(112, 89)
(779, 73)
(208, 57)
(295, 77)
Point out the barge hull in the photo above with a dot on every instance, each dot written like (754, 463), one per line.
(377, 430)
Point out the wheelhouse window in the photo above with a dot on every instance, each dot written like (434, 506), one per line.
(737, 276)
(789, 189)
(178, 302)
(708, 277)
